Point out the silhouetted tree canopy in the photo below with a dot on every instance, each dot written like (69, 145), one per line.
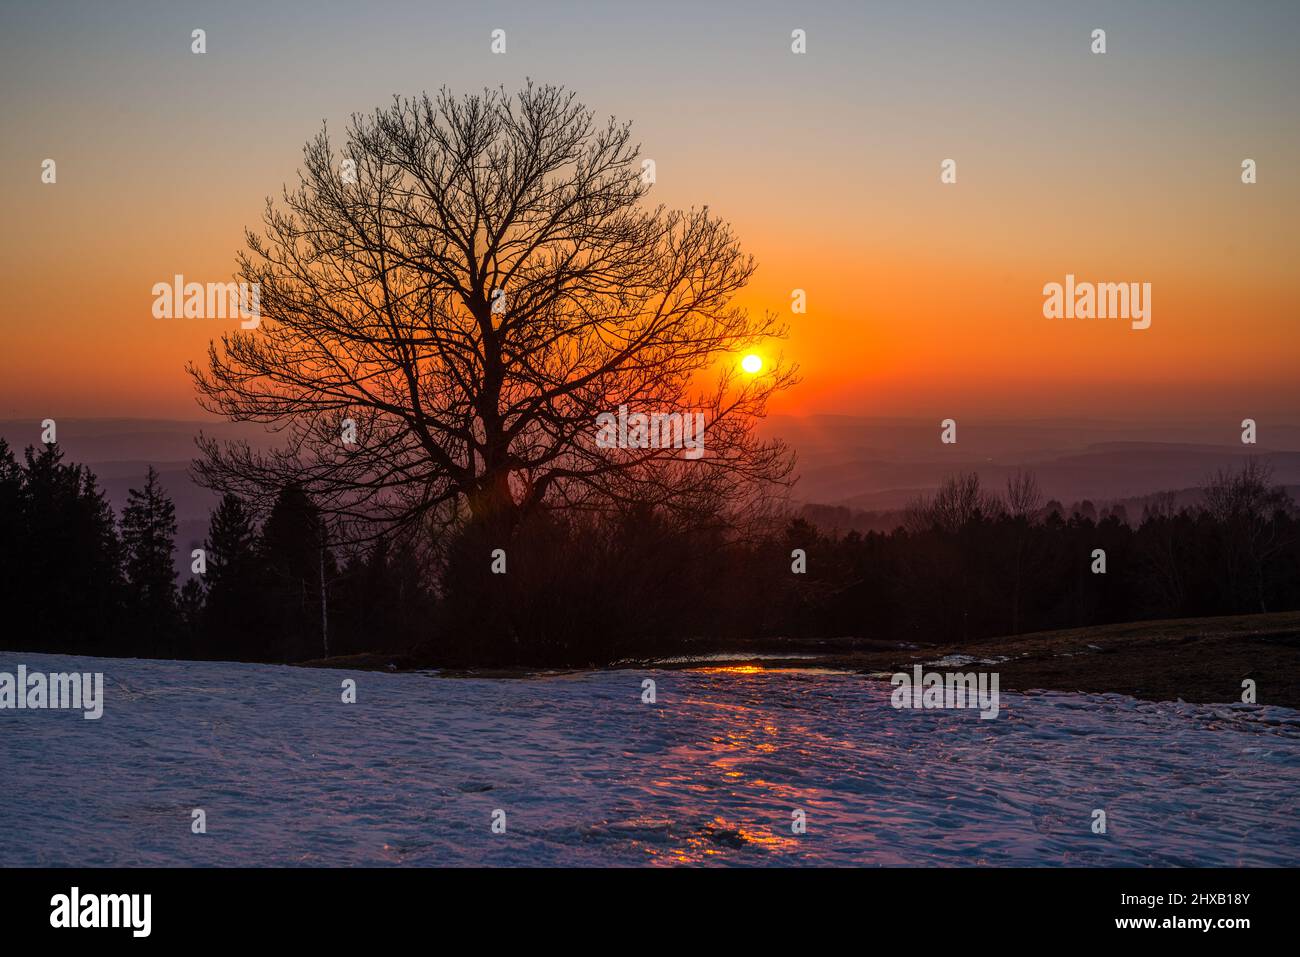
(472, 280)
(64, 590)
(148, 541)
(297, 564)
(235, 610)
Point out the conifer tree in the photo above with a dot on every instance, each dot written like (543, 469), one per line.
(148, 537)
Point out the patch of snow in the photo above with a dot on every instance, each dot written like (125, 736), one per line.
(588, 775)
(961, 661)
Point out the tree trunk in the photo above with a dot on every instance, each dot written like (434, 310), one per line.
(324, 604)
(493, 508)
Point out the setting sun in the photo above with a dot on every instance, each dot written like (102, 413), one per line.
(751, 364)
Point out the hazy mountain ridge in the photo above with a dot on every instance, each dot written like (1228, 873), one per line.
(881, 464)
(861, 463)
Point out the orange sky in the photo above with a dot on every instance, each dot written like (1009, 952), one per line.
(923, 298)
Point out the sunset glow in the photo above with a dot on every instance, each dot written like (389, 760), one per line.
(922, 298)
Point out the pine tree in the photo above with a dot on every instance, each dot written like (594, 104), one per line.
(190, 604)
(300, 566)
(66, 584)
(235, 613)
(232, 540)
(13, 538)
(148, 535)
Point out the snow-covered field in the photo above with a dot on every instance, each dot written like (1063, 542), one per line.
(587, 774)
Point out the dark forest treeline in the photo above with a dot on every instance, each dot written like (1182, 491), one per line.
(571, 589)
(968, 565)
(75, 579)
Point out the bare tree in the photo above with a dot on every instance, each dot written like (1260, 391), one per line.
(1244, 502)
(1023, 501)
(1247, 493)
(472, 281)
(959, 500)
(1024, 498)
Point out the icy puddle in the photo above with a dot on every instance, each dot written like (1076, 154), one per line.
(589, 775)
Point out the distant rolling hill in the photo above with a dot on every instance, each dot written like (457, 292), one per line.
(862, 464)
(881, 464)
